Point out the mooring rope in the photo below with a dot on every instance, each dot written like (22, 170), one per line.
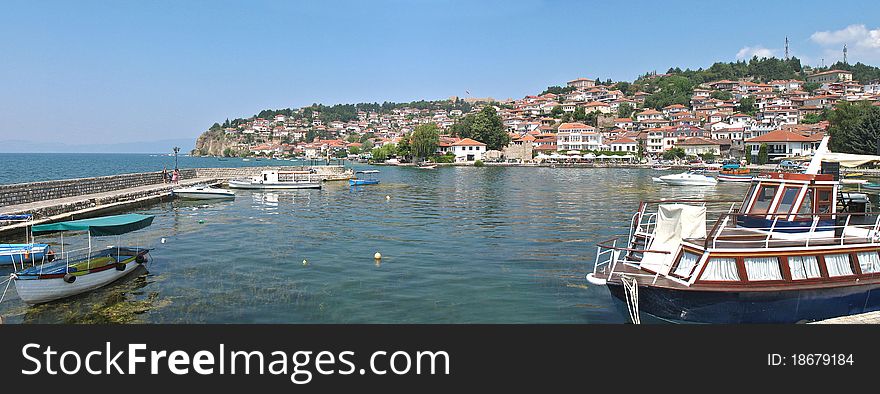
(631, 293)
(7, 281)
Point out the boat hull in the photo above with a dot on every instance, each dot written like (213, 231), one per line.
(359, 182)
(37, 291)
(738, 307)
(203, 195)
(274, 185)
(687, 182)
(734, 178)
(22, 253)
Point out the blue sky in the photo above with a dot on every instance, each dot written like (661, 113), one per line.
(111, 72)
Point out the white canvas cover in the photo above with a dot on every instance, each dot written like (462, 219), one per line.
(674, 223)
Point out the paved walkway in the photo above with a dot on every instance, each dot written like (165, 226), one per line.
(102, 201)
(862, 318)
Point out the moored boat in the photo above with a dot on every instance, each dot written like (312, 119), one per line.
(689, 178)
(202, 192)
(24, 253)
(81, 270)
(734, 173)
(274, 179)
(794, 249)
(369, 179)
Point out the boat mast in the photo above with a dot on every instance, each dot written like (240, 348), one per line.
(816, 163)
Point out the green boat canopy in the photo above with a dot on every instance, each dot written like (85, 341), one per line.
(103, 226)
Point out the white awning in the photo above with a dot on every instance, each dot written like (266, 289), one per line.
(849, 159)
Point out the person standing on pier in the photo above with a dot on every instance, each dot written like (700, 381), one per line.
(175, 176)
(164, 174)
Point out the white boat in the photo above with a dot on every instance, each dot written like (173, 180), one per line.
(77, 271)
(273, 179)
(426, 166)
(688, 179)
(202, 192)
(734, 177)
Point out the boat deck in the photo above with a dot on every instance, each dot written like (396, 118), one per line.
(734, 238)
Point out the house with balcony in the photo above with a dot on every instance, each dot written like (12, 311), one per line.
(577, 136)
(782, 144)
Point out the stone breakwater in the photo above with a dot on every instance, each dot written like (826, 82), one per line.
(79, 198)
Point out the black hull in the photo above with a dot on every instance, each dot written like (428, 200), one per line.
(735, 307)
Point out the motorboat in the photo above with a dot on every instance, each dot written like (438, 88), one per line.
(661, 167)
(80, 270)
(276, 179)
(689, 178)
(427, 166)
(794, 249)
(368, 179)
(202, 192)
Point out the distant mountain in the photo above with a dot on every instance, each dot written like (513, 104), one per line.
(157, 146)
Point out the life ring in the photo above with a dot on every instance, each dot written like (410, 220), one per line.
(69, 278)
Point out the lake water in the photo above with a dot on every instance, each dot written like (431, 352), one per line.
(459, 245)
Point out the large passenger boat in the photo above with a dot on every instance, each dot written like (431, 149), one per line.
(795, 249)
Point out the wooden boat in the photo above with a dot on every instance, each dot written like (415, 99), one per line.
(24, 253)
(78, 271)
(275, 179)
(794, 249)
(369, 178)
(734, 173)
(202, 192)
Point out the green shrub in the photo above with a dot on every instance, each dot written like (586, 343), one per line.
(478, 163)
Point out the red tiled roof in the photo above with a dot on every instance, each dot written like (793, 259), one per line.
(468, 142)
(574, 126)
(780, 136)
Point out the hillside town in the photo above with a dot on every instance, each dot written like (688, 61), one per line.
(741, 119)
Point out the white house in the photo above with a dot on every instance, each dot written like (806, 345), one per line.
(624, 144)
(783, 143)
(577, 136)
(467, 150)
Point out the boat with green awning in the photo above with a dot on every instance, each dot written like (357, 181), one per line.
(80, 270)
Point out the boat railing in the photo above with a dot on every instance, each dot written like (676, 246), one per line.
(646, 221)
(609, 255)
(805, 230)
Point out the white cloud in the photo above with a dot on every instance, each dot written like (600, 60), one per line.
(758, 50)
(857, 35)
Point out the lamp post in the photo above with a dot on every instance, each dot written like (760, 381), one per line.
(176, 149)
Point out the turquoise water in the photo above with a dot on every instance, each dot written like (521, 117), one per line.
(459, 245)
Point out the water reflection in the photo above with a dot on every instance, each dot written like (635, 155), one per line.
(458, 245)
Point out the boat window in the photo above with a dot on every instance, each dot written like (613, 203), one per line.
(764, 199)
(763, 268)
(721, 269)
(789, 194)
(823, 202)
(838, 264)
(686, 264)
(749, 195)
(804, 267)
(869, 262)
(807, 204)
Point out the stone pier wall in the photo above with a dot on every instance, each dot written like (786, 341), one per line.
(24, 193)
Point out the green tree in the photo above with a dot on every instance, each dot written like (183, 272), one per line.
(557, 111)
(310, 135)
(811, 87)
(579, 114)
(746, 106)
(625, 110)
(404, 149)
(763, 157)
(384, 152)
(354, 150)
(485, 126)
(425, 139)
(708, 157)
(674, 153)
(721, 95)
(854, 128)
